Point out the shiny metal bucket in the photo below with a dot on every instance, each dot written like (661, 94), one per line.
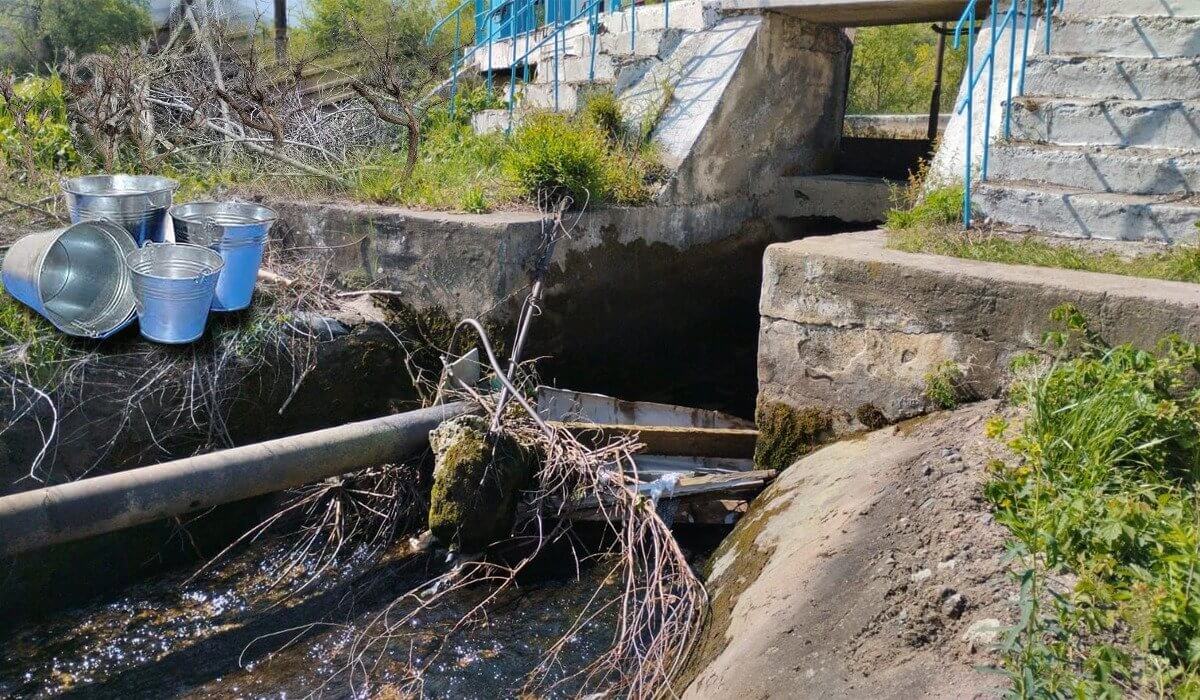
(137, 202)
(238, 231)
(75, 277)
(173, 285)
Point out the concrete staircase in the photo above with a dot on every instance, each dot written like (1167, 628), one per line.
(1106, 141)
(628, 49)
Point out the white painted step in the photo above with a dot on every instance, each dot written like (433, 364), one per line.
(1083, 214)
(681, 14)
(643, 43)
(606, 69)
(1098, 168)
(492, 120)
(1117, 77)
(540, 96)
(1148, 8)
(1155, 37)
(848, 198)
(1171, 124)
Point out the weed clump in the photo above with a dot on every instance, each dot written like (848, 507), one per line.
(939, 208)
(944, 385)
(603, 110)
(786, 433)
(554, 157)
(1103, 486)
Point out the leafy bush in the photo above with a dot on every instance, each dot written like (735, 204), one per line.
(86, 26)
(554, 157)
(43, 134)
(893, 68)
(337, 25)
(944, 385)
(1105, 486)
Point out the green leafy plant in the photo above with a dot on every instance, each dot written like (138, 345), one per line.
(33, 123)
(551, 156)
(1104, 485)
(936, 209)
(604, 111)
(944, 385)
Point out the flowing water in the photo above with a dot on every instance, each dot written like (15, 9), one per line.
(237, 632)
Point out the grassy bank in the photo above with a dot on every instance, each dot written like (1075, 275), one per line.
(1103, 505)
(932, 223)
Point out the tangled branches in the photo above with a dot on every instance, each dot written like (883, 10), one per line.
(659, 605)
(151, 400)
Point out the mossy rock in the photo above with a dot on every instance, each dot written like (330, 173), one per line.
(477, 481)
(786, 433)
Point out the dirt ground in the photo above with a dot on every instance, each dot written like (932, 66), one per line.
(870, 568)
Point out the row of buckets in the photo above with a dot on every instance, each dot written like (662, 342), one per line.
(91, 279)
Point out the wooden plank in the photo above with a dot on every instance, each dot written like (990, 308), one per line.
(673, 441)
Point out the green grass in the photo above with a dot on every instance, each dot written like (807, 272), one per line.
(933, 210)
(1105, 486)
(1180, 263)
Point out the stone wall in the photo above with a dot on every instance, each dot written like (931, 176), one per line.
(851, 326)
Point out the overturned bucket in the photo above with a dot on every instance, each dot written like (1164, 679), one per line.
(238, 231)
(137, 202)
(173, 285)
(75, 277)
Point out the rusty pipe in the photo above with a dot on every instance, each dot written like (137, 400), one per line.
(80, 509)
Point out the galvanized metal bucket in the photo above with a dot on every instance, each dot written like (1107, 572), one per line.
(75, 277)
(137, 202)
(236, 230)
(173, 285)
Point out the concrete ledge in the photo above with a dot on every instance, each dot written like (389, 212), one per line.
(847, 323)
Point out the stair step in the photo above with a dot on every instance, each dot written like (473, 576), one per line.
(1150, 8)
(1155, 37)
(492, 120)
(681, 14)
(608, 70)
(1083, 214)
(1098, 168)
(848, 198)
(1117, 77)
(1170, 124)
(540, 96)
(643, 43)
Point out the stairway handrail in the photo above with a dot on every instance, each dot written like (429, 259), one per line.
(988, 63)
(560, 27)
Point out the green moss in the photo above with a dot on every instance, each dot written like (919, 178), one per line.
(786, 433)
(476, 484)
(944, 385)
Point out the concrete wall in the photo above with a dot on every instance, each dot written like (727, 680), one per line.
(758, 98)
(652, 303)
(848, 323)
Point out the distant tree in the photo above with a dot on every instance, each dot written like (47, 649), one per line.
(894, 67)
(86, 26)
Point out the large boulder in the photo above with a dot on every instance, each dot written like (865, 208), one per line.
(858, 572)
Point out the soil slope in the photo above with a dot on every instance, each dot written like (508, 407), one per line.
(871, 567)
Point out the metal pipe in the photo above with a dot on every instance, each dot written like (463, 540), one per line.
(88, 507)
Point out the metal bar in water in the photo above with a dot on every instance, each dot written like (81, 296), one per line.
(88, 507)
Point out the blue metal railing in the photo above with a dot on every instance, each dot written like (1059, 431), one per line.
(1007, 25)
(520, 22)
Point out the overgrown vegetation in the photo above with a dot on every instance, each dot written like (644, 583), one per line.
(893, 68)
(944, 385)
(1102, 501)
